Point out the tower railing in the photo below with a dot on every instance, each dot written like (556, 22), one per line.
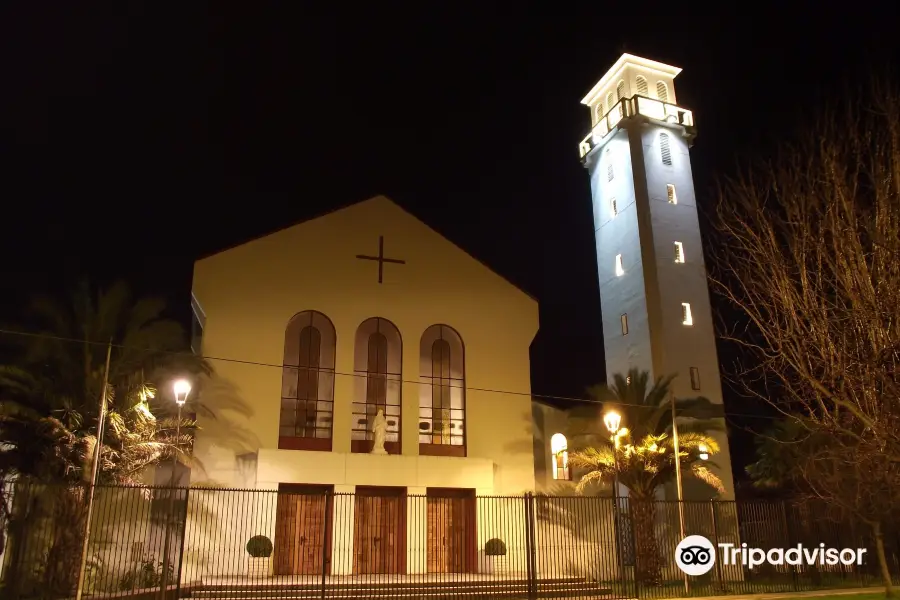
(631, 107)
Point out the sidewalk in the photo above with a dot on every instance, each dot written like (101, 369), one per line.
(776, 595)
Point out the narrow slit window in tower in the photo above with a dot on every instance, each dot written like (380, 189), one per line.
(686, 317)
(664, 149)
(695, 379)
(670, 192)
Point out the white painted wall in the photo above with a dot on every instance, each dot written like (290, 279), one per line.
(654, 286)
(619, 235)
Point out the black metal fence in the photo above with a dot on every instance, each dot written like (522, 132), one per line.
(307, 542)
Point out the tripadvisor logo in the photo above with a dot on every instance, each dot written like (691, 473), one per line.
(696, 555)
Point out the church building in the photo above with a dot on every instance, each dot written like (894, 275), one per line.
(327, 326)
(367, 309)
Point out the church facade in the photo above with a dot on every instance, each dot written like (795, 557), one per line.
(324, 324)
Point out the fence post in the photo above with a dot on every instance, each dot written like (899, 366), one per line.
(328, 509)
(633, 543)
(530, 547)
(618, 544)
(715, 524)
(183, 540)
(787, 531)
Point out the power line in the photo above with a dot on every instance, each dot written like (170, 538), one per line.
(48, 336)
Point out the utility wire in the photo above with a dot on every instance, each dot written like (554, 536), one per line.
(48, 336)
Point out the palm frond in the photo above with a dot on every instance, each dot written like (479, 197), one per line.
(702, 473)
(589, 478)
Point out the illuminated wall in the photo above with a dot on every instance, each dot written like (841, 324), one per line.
(249, 293)
(634, 165)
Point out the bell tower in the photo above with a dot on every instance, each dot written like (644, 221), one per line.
(653, 287)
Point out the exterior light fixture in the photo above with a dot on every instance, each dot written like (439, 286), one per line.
(182, 388)
(612, 420)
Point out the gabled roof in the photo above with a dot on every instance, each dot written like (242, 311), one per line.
(378, 198)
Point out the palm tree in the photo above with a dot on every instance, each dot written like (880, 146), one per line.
(49, 409)
(642, 458)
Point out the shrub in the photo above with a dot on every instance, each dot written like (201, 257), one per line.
(259, 546)
(495, 547)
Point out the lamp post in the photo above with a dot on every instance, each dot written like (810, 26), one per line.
(182, 388)
(95, 468)
(687, 587)
(612, 420)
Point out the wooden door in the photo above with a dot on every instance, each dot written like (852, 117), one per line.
(451, 536)
(301, 532)
(379, 536)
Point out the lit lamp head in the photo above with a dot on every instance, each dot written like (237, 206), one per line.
(612, 420)
(704, 452)
(182, 388)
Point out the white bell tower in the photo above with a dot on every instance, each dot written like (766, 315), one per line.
(653, 287)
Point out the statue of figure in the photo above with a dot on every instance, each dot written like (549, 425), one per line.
(379, 428)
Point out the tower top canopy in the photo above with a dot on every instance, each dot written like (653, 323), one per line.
(629, 60)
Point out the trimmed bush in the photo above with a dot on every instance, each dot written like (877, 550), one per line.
(259, 546)
(495, 547)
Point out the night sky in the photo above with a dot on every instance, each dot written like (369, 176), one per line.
(137, 137)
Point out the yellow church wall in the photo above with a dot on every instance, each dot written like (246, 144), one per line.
(249, 293)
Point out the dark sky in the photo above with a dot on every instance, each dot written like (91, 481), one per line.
(137, 136)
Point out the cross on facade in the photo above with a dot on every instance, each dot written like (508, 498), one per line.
(381, 259)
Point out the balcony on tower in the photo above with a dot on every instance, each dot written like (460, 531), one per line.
(634, 87)
(636, 106)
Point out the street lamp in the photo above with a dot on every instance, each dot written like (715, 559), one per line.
(612, 420)
(182, 388)
(704, 452)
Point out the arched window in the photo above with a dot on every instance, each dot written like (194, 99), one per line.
(307, 383)
(610, 101)
(600, 111)
(377, 358)
(640, 83)
(559, 449)
(662, 91)
(664, 149)
(620, 90)
(442, 393)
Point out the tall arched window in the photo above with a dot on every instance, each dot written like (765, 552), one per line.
(620, 90)
(662, 91)
(640, 83)
(307, 383)
(665, 149)
(442, 393)
(559, 450)
(376, 362)
(610, 101)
